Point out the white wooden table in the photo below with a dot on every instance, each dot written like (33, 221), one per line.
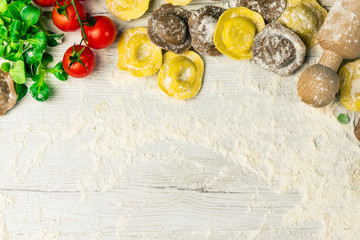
(112, 157)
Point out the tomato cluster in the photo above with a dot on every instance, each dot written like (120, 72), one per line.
(98, 32)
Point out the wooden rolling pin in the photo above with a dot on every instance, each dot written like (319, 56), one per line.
(340, 39)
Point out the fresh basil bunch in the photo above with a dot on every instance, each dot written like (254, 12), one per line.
(23, 42)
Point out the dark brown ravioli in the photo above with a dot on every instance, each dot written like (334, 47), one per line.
(278, 49)
(269, 9)
(168, 28)
(202, 24)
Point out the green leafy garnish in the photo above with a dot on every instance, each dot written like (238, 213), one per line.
(3, 34)
(5, 66)
(18, 72)
(14, 56)
(38, 41)
(21, 90)
(32, 56)
(14, 9)
(47, 58)
(54, 39)
(15, 30)
(23, 42)
(343, 118)
(30, 15)
(3, 6)
(59, 72)
(39, 90)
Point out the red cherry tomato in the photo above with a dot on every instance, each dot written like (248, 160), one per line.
(69, 23)
(79, 55)
(100, 32)
(45, 3)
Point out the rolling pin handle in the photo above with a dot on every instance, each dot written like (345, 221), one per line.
(331, 60)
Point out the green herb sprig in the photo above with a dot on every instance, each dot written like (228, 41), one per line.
(23, 42)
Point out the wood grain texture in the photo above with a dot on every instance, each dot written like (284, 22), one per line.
(41, 196)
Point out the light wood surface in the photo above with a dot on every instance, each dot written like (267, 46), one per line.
(41, 192)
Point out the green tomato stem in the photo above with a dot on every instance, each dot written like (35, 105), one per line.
(78, 17)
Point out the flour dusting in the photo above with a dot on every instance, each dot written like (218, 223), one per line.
(261, 128)
(124, 148)
(272, 142)
(5, 202)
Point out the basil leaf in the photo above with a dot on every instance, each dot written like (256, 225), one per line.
(33, 68)
(7, 49)
(13, 46)
(27, 2)
(30, 69)
(32, 30)
(3, 33)
(36, 78)
(13, 56)
(14, 9)
(2, 50)
(16, 52)
(5, 66)
(46, 59)
(3, 6)
(59, 72)
(18, 72)
(39, 90)
(30, 15)
(38, 41)
(6, 20)
(32, 56)
(21, 91)
(54, 39)
(15, 29)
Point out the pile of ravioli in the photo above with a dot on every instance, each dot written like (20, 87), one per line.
(275, 34)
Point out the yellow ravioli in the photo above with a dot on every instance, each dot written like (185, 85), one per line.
(305, 17)
(137, 54)
(350, 85)
(127, 9)
(181, 75)
(235, 32)
(179, 2)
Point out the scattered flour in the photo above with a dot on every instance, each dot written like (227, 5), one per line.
(245, 120)
(282, 148)
(5, 202)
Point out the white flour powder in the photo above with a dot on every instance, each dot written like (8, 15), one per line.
(111, 135)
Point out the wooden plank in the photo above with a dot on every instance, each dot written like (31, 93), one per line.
(59, 185)
(135, 212)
